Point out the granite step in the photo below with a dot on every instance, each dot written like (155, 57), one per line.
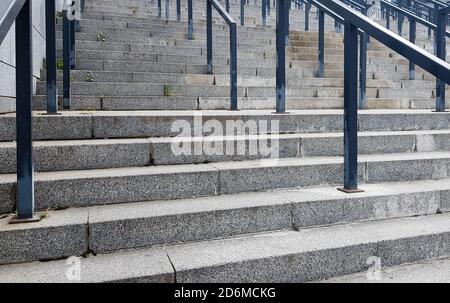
(281, 256)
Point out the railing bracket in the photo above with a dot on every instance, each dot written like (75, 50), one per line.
(16, 220)
(350, 191)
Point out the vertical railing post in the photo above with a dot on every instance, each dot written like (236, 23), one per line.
(190, 21)
(167, 10)
(178, 10)
(50, 48)
(400, 19)
(362, 69)
(281, 57)
(350, 108)
(321, 54)
(72, 45)
(159, 9)
(24, 85)
(441, 23)
(227, 6)
(264, 12)
(268, 7)
(288, 20)
(307, 8)
(233, 66)
(412, 39)
(66, 60)
(209, 37)
(242, 12)
(388, 18)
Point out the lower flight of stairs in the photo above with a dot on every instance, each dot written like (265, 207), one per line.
(111, 192)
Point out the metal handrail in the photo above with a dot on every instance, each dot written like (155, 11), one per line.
(233, 46)
(410, 15)
(354, 20)
(8, 14)
(20, 13)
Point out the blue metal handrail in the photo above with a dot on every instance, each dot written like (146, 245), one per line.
(20, 11)
(411, 16)
(354, 21)
(413, 19)
(233, 46)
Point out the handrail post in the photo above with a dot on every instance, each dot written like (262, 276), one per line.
(350, 108)
(307, 8)
(268, 7)
(412, 39)
(72, 45)
(233, 66)
(50, 48)
(24, 84)
(66, 60)
(159, 9)
(288, 20)
(264, 12)
(178, 10)
(321, 55)
(190, 21)
(242, 12)
(388, 18)
(441, 23)
(400, 19)
(227, 6)
(209, 37)
(167, 10)
(363, 70)
(281, 57)
(363, 45)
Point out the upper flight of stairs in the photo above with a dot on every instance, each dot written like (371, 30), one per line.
(112, 191)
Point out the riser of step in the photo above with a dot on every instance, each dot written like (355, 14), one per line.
(268, 71)
(144, 89)
(127, 124)
(283, 256)
(167, 151)
(262, 61)
(79, 155)
(223, 103)
(222, 80)
(120, 185)
(157, 40)
(199, 27)
(299, 69)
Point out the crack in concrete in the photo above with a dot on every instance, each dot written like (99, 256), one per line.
(174, 269)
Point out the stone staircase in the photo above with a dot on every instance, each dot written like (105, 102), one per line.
(258, 204)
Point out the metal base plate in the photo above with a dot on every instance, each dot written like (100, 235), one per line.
(283, 113)
(15, 220)
(350, 191)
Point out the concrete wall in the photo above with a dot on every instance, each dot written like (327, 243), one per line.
(8, 58)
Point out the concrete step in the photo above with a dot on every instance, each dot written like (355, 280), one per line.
(133, 184)
(114, 153)
(283, 256)
(239, 148)
(121, 103)
(427, 271)
(153, 223)
(79, 154)
(195, 90)
(145, 124)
